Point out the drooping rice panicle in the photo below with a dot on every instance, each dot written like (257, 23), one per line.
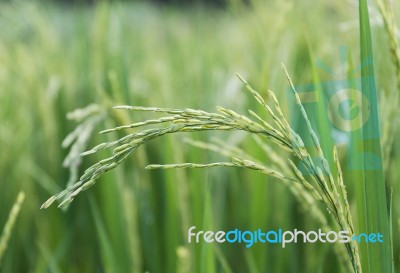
(318, 186)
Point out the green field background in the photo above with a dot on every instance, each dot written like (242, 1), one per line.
(57, 58)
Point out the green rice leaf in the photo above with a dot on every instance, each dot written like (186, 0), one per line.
(372, 204)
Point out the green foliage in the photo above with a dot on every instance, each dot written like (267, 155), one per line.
(55, 59)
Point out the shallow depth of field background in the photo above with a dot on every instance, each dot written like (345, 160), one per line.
(55, 58)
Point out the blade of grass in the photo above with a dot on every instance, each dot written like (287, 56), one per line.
(110, 262)
(10, 223)
(222, 260)
(373, 209)
(207, 257)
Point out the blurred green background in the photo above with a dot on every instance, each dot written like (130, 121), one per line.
(57, 57)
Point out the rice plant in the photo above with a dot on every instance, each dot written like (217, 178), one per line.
(58, 58)
(321, 185)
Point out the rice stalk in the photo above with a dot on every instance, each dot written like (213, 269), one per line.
(287, 169)
(308, 202)
(5, 236)
(320, 185)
